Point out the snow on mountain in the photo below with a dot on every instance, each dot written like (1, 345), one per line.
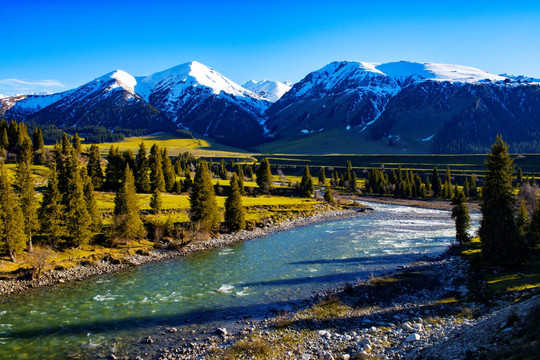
(268, 89)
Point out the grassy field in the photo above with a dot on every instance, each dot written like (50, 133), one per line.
(199, 147)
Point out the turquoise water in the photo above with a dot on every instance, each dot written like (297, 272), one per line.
(114, 312)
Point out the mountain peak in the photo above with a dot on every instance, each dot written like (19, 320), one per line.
(267, 89)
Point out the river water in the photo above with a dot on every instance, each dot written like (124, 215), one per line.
(100, 315)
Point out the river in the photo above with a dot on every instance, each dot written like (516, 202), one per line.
(112, 313)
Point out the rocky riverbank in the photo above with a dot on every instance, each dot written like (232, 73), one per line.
(424, 311)
(52, 277)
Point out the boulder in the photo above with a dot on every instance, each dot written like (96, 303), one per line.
(413, 337)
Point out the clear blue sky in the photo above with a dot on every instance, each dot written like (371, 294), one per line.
(72, 42)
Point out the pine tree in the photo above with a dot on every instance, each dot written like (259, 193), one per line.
(37, 140)
(91, 202)
(222, 170)
(4, 141)
(466, 189)
(234, 211)
(94, 167)
(12, 236)
(114, 169)
(436, 183)
(127, 219)
(77, 147)
(27, 194)
(157, 181)
(306, 184)
(78, 221)
(522, 219)
(240, 173)
(177, 188)
(322, 176)
(156, 203)
(353, 183)
(498, 232)
(142, 180)
(249, 172)
(460, 213)
(168, 171)
(264, 176)
(128, 157)
(204, 210)
(519, 177)
(52, 210)
(328, 196)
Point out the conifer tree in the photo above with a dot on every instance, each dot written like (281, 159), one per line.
(240, 173)
(157, 181)
(460, 213)
(94, 167)
(322, 176)
(4, 140)
(142, 179)
(427, 186)
(114, 169)
(91, 202)
(519, 177)
(156, 203)
(306, 184)
(127, 219)
(498, 232)
(27, 194)
(78, 221)
(12, 236)
(222, 170)
(188, 183)
(249, 172)
(177, 188)
(204, 210)
(52, 210)
(522, 219)
(264, 176)
(436, 183)
(37, 140)
(466, 189)
(234, 211)
(128, 157)
(353, 183)
(168, 171)
(328, 196)
(77, 147)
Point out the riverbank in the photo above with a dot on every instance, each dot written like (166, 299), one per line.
(426, 203)
(423, 311)
(54, 277)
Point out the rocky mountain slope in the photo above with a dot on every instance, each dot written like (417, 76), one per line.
(344, 107)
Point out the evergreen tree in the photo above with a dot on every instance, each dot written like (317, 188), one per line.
(78, 221)
(77, 147)
(222, 170)
(249, 172)
(37, 140)
(157, 181)
(460, 213)
(188, 183)
(114, 169)
(168, 171)
(13, 136)
(91, 202)
(127, 219)
(52, 210)
(328, 196)
(306, 184)
(234, 211)
(322, 176)
(204, 210)
(466, 189)
(264, 176)
(142, 180)
(4, 140)
(240, 173)
(522, 219)
(12, 236)
(519, 178)
(94, 167)
(436, 183)
(27, 194)
(498, 232)
(177, 188)
(128, 157)
(353, 183)
(156, 203)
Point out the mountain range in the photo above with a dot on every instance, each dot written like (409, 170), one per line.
(344, 107)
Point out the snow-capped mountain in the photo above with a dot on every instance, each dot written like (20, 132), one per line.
(190, 95)
(403, 104)
(372, 107)
(268, 89)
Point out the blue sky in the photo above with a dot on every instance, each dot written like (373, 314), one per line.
(58, 45)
